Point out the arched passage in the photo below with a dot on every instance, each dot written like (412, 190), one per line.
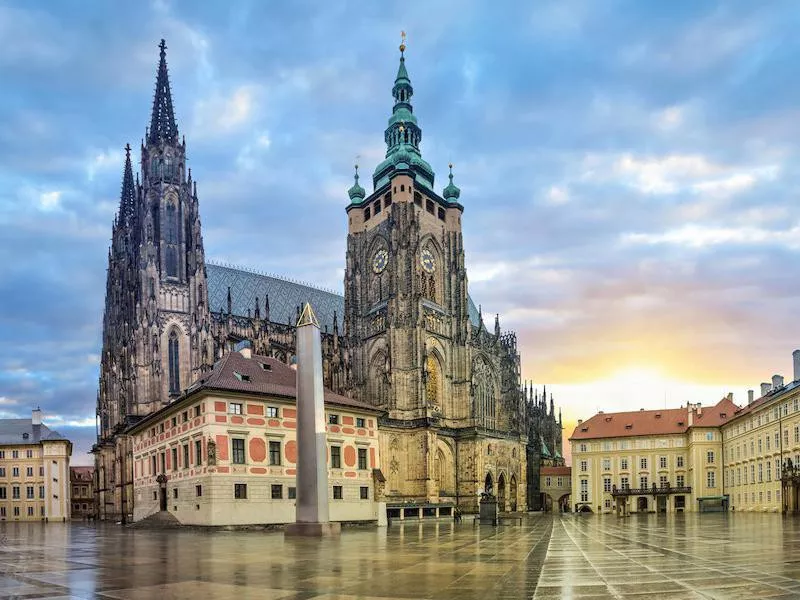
(488, 484)
(512, 494)
(501, 492)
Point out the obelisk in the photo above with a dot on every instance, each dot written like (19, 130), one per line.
(313, 514)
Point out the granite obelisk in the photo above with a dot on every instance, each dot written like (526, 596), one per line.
(313, 514)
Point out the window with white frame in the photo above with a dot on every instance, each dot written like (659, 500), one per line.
(711, 479)
(584, 466)
(679, 461)
(643, 481)
(606, 464)
(623, 464)
(710, 457)
(679, 480)
(662, 462)
(584, 490)
(606, 484)
(643, 463)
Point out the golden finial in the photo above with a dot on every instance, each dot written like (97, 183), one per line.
(402, 42)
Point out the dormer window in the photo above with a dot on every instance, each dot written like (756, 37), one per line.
(629, 426)
(266, 367)
(241, 376)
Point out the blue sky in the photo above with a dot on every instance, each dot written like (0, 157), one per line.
(629, 172)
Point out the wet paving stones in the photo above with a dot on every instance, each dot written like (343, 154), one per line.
(713, 556)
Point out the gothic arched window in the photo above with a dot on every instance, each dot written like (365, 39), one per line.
(172, 224)
(434, 380)
(174, 364)
(172, 262)
(483, 393)
(169, 167)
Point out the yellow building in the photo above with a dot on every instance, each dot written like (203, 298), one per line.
(762, 448)
(225, 452)
(650, 460)
(34, 471)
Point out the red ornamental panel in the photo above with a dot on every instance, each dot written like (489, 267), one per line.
(290, 449)
(258, 449)
(222, 447)
(349, 456)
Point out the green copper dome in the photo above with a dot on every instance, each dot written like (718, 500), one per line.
(356, 192)
(452, 191)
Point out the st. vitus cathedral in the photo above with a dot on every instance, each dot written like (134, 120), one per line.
(406, 336)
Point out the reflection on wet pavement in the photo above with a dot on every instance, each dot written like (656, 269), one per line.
(648, 557)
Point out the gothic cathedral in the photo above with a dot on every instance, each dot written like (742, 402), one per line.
(457, 419)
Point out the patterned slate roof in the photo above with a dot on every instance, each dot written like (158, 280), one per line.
(284, 296)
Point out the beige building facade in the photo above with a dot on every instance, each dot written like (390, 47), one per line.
(555, 484)
(34, 471)
(650, 460)
(82, 501)
(225, 453)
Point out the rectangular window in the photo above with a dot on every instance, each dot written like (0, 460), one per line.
(606, 464)
(679, 461)
(15, 454)
(274, 453)
(337, 492)
(185, 416)
(583, 447)
(760, 472)
(41, 491)
(2, 453)
(186, 456)
(272, 412)
(333, 419)
(766, 442)
(360, 422)
(584, 490)
(174, 421)
(240, 491)
(364, 492)
(197, 411)
(606, 484)
(760, 450)
(277, 491)
(2, 511)
(769, 471)
(623, 464)
(752, 473)
(679, 480)
(711, 479)
(15, 471)
(547, 482)
(710, 455)
(2, 471)
(235, 408)
(30, 511)
(29, 472)
(643, 482)
(3, 493)
(174, 456)
(362, 459)
(153, 465)
(663, 481)
(584, 466)
(624, 483)
(163, 462)
(367, 214)
(29, 492)
(642, 463)
(174, 492)
(198, 452)
(291, 493)
(336, 457)
(237, 450)
(198, 490)
(662, 462)
(16, 511)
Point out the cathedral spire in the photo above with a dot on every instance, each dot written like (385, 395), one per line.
(356, 192)
(403, 135)
(127, 199)
(162, 121)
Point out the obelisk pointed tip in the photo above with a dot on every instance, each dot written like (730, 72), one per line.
(307, 317)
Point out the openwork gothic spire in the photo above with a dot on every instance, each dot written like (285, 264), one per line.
(162, 122)
(127, 199)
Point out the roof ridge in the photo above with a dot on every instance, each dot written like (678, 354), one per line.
(254, 271)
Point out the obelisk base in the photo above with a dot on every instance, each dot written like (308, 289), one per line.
(319, 530)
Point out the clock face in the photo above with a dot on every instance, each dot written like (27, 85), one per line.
(380, 260)
(428, 261)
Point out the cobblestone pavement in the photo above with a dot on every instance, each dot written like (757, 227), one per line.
(648, 557)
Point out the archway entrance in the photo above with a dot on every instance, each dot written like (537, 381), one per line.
(501, 492)
(513, 493)
(641, 504)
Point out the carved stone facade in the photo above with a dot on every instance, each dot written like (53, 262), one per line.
(412, 342)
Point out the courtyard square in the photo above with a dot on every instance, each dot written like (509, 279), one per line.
(570, 556)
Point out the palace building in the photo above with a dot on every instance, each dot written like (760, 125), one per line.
(694, 458)
(34, 471)
(405, 338)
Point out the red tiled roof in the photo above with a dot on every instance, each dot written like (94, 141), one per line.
(556, 471)
(81, 473)
(653, 422)
(262, 375)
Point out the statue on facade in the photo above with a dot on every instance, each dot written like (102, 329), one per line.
(212, 453)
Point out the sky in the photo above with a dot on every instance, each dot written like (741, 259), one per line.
(629, 172)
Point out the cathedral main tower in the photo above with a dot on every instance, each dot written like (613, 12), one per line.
(156, 324)
(407, 325)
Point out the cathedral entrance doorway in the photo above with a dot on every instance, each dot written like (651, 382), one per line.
(501, 492)
(513, 493)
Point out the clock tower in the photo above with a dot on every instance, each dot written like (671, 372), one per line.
(406, 307)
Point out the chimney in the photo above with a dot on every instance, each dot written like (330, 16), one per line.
(36, 423)
(750, 395)
(690, 412)
(796, 363)
(765, 389)
(730, 396)
(777, 382)
(580, 421)
(245, 348)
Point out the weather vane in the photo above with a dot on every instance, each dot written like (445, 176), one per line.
(402, 42)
